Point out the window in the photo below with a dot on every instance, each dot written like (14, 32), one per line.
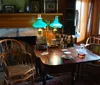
(77, 19)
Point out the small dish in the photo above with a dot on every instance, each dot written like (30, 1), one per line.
(68, 52)
(67, 57)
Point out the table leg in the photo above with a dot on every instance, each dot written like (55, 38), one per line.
(73, 78)
(43, 78)
(79, 71)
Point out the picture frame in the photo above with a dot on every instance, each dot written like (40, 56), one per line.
(51, 6)
(1, 2)
(9, 8)
(35, 6)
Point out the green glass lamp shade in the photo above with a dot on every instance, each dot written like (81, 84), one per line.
(56, 23)
(39, 23)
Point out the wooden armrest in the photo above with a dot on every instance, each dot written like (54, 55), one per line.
(86, 45)
(27, 53)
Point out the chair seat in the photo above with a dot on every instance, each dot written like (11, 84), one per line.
(20, 73)
(19, 70)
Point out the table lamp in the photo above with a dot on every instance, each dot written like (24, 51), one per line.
(39, 24)
(56, 25)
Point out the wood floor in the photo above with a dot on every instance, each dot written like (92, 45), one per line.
(81, 81)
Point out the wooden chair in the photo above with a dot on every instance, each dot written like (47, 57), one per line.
(93, 44)
(93, 68)
(29, 43)
(16, 62)
(94, 39)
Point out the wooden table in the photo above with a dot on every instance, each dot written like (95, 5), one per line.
(56, 54)
(53, 60)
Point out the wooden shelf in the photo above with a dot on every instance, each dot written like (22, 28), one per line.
(23, 20)
(30, 14)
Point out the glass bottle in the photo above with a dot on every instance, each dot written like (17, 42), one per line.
(61, 43)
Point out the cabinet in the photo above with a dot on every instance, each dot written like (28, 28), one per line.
(68, 10)
(69, 21)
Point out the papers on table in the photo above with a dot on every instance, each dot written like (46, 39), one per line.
(44, 53)
(64, 49)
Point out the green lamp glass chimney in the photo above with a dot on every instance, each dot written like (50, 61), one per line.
(39, 23)
(56, 23)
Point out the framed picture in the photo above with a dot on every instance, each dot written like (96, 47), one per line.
(35, 6)
(51, 6)
(1, 2)
(9, 8)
